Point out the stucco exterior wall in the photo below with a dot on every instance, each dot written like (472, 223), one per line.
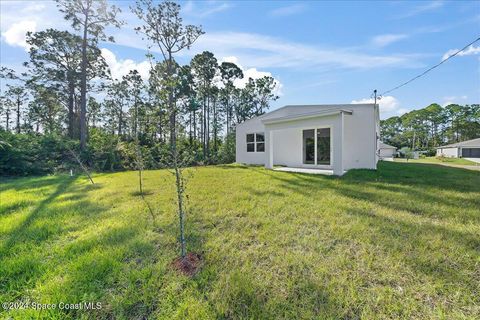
(359, 138)
(242, 156)
(448, 152)
(288, 140)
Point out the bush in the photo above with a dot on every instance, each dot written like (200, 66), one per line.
(34, 154)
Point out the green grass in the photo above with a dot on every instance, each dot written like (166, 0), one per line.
(449, 161)
(401, 242)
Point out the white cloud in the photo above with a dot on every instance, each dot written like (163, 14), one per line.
(15, 34)
(18, 17)
(264, 51)
(252, 73)
(120, 68)
(471, 50)
(206, 9)
(386, 39)
(288, 10)
(430, 6)
(267, 52)
(454, 100)
(389, 105)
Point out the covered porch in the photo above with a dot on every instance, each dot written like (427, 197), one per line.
(306, 143)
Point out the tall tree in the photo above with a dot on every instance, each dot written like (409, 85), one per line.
(135, 85)
(55, 61)
(5, 107)
(16, 92)
(90, 17)
(117, 104)
(46, 109)
(204, 67)
(135, 88)
(230, 72)
(19, 95)
(163, 26)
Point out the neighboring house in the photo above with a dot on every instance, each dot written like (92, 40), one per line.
(331, 137)
(464, 149)
(386, 152)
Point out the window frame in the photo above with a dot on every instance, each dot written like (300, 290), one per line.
(255, 142)
(316, 164)
(259, 142)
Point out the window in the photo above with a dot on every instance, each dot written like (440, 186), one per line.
(323, 146)
(260, 139)
(316, 146)
(250, 142)
(255, 142)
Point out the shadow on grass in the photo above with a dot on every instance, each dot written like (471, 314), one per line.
(139, 194)
(69, 248)
(413, 189)
(7, 209)
(419, 246)
(409, 187)
(21, 230)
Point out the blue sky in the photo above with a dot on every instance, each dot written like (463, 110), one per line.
(319, 52)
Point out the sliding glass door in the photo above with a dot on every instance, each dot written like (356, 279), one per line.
(316, 146)
(309, 146)
(323, 146)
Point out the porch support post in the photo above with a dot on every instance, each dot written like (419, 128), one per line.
(338, 148)
(268, 148)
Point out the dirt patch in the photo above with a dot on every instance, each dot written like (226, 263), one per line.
(188, 265)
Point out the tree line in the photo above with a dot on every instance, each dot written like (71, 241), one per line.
(433, 126)
(67, 94)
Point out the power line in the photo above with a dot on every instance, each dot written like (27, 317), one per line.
(430, 69)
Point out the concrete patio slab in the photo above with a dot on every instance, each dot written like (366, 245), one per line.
(305, 170)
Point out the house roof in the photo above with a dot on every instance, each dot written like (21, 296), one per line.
(296, 110)
(474, 143)
(382, 145)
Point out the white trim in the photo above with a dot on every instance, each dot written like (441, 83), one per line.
(255, 141)
(304, 116)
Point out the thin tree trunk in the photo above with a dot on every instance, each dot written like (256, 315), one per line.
(178, 174)
(120, 120)
(204, 128)
(71, 112)
(83, 88)
(194, 125)
(228, 113)
(190, 137)
(18, 114)
(8, 119)
(215, 124)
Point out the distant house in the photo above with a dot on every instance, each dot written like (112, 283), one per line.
(328, 137)
(385, 151)
(464, 149)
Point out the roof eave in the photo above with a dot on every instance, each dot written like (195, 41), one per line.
(305, 116)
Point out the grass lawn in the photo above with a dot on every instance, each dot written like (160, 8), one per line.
(449, 161)
(401, 242)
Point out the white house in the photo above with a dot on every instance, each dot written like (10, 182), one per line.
(386, 151)
(465, 149)
(331, 137)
